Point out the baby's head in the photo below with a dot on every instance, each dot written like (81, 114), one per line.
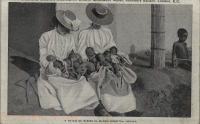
(79, 58)
(91, 67)
(58, 64)
(89, 51)
(72, 55)
(113, 50)
(76, 64)
(182, 34)
(100, 57)
(107, 56)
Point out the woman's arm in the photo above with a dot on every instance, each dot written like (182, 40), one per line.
(43, 43)
(110, 40)
(82, 44)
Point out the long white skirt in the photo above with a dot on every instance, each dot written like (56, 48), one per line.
(64, 94)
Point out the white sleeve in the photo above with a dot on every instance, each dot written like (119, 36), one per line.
(82, 44)
(43, 43)
(111, 40)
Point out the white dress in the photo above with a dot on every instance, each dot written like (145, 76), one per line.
(99, 39)
(57, 92)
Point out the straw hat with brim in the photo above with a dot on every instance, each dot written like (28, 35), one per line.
(99, 14)
(65, 17)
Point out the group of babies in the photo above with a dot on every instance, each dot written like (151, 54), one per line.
(74, 65)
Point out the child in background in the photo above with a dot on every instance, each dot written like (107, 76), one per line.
(180, 51)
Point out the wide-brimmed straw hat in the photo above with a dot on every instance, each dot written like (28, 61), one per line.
(68, 19)
(99, 14)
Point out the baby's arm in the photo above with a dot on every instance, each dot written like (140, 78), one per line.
(174, 60)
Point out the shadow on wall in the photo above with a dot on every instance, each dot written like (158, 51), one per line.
(27, 22)
(26, 65)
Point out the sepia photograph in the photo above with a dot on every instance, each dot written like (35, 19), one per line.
(100, 60)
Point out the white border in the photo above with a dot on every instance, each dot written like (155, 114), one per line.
(61, 119)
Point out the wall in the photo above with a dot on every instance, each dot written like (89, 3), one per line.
(131, 27)
(177, 17)
(27, 22)
(132, 24)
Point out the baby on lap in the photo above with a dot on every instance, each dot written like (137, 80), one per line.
(67, 70)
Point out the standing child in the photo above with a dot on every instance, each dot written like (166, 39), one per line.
(180, 51)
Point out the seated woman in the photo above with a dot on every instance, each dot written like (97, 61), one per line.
(114, 93)
(55, 91)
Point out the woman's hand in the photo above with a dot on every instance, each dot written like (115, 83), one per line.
(48, 71)
(51, 58)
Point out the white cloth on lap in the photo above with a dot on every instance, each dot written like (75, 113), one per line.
(74, 95)
(114, 92)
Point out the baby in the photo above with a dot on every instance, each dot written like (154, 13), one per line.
(180, 51)
(58, 64)
(91, 55)
(90, 69)
(115, 57)
(116, 68)
(73, 74)
(71, 66)
(101, 61)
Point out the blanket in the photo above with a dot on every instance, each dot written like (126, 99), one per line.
(74, 95)
(114, 92)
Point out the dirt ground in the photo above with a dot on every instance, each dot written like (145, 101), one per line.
(159, 92)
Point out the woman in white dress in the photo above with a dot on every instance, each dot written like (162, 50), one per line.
(114, 93)
(57, 92)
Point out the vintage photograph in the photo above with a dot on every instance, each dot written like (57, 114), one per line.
(94, 59)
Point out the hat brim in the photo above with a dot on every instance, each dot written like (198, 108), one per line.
(108, 19)
(59, 16)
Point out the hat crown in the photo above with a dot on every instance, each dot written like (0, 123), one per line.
(100, 9)
(99, 14)
(70, 15)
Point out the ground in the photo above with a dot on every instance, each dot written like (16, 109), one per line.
(159, 92)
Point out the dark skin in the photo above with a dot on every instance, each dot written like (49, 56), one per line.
(102, 61)
(179, 45)
(90, 68)
(58, 64)
(89, 52)
(107, 56)
(96, 26)
(113, 50)
(91, 55)
(115, 66)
